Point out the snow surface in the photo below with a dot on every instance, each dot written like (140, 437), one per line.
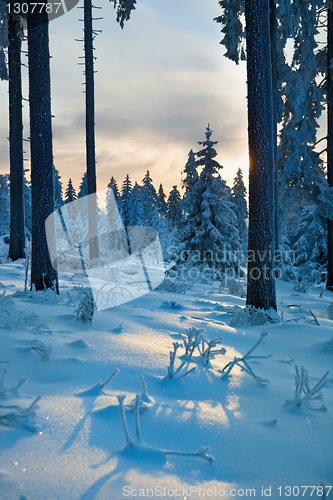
(78, 450)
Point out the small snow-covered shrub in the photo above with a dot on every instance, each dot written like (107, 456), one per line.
(191, 339)
(168, 285)
(85, 306)
(250, 316)
(303, 393)
(244, 365)
(171, 368)
(234, 287)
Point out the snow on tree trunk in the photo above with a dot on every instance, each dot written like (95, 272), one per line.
(261, 285)
(17, 226)
(42, 178)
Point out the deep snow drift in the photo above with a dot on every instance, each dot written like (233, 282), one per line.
(70, 444)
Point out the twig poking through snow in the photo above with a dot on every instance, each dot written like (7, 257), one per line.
(96, 389)
(20, 417)
(303, 392)
(202, 452)
(243, 364)
(123, 420)
(43, 350)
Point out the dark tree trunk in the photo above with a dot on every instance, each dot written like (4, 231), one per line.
(42, 179)
(17, 226)
(273, 31)
(329, 282)
(90, 129)
(261, 284)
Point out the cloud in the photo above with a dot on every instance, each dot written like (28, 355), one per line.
(159, 82)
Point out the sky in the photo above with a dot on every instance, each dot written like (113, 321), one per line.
(159, 82)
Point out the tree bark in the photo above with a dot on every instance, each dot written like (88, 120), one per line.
(329, 282)
(17, 225)
(273, 33)
(90, 130)
(42, 179)
(261, 284)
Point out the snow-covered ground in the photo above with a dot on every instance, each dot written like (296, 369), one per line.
(75, 447)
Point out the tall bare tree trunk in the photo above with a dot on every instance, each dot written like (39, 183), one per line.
(42, 178)
(261, 284)
(329, 282)
(90, 130)
(17, 225)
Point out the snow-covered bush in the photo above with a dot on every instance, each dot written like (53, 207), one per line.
(85, 306)
(250, 316)
(171, 368)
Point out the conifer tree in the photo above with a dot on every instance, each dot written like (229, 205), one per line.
(27, 205)
(125, 199)
(4, 205)
(174, 211)
(83, 188)
(149, 200)
(58, 189)
(190, 171)
(113, 185)
(70, 194)
(311, 244)
(161, 203)
(135, 216)
(238, 192)
(209, 234)
(4, 42)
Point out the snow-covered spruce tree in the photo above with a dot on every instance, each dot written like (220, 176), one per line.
(135, 215)
(190, 171)
(58, 189)
(124, 10)
(174, 211)
(149, 200)
(261, 291)
(4, 42)
(161, 203)
(83, 188)
(27, 205)
(311, 245)
(43, 275)
(112, 193)
(209, 234)
(17, 225)
(4, 205)
(113, 185)
(125, 199)
(70, 194)
(238, 192)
